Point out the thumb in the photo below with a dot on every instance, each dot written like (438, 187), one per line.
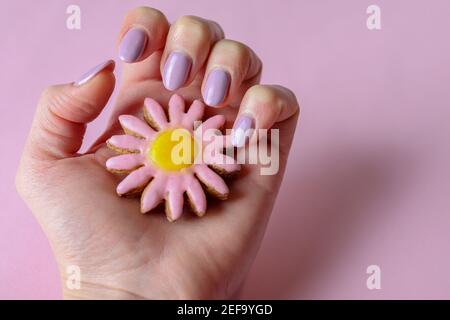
(64, 110)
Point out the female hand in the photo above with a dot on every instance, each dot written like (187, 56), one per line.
(120, 252)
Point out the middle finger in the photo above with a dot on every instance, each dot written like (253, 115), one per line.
(187, 47)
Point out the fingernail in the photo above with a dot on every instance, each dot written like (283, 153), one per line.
(216, 87)
(93, 72)
(176, 70)
(132, 45)
(242, 130)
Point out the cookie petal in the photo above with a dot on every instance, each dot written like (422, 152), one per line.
(223, 164)
(136, 127)
(125, 144)
(195, 113)
(214, 184)
(136, 181)
(154, 114)
(176, 110)
(153, 194)
(214, 123)
(196, 196)
(125, 163)
(174, 204)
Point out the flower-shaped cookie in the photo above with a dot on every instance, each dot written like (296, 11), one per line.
(167, 158)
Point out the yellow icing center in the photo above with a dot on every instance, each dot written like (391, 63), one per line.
(173, 149)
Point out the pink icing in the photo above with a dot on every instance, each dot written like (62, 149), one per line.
(136, 125)
(215, 122)
(153, 193)
(156, 112)
(127, 142)
(196, 195)
(223, 162)
(125, 161)
(195, 113)
(175, 188)
(165, 185)
(135, 179)
(212, 179)
(176, 110)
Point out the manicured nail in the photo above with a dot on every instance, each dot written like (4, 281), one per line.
(216, 87)
(176, 70)
(242, 129)
(93, 72)
(132, 45)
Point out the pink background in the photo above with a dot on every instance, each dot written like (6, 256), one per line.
(369, 175)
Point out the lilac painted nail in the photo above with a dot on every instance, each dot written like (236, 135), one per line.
(242, 130)
(94, 71)
(216, 87)
(176, 70)
(132, 45)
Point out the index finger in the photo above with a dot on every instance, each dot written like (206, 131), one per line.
(143, 32)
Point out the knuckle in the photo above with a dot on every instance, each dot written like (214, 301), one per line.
(264, 94)
(66, 105)
(51, 99)
(278, 99)
(234, 48)
(289, 97)
(193, 25)
(82, 108)
(217, 29)
(259, 63)
(294, 97)
(148, 11)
